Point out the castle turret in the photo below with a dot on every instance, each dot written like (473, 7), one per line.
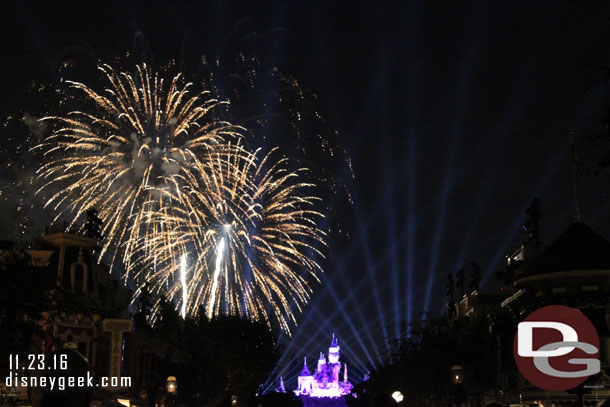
(321, 363)
(305, 371)
(305, 380)
(333, 351)
(281, 389)
(333, 360)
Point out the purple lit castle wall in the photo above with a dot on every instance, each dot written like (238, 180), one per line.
(325, 380)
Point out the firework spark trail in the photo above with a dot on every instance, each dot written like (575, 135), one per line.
(184, 286)
(123, 152)
(220, 248)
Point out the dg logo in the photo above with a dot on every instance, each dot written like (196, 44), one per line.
(556, 348)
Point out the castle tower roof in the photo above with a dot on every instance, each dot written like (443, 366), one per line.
(305, 371)
(281, 389)
(334, 343)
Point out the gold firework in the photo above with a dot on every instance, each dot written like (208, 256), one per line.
(127, 147)
(250, 232)
(186, 206)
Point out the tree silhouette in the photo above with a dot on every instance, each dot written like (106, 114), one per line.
(532, 225)
(475, 276)
(24, 295)
(450, 287)
(461, 280)
(169, 323)
(228, 355)
(450, 291)
(93, 226)
(145, 305)
(421, 365)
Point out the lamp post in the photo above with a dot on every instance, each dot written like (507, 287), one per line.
(172, 385)
(397, 396)
(457, 375)
(457, 392)
(170, 399)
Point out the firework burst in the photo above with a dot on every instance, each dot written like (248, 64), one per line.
(130, 144)
(250, 232)
(206, 222)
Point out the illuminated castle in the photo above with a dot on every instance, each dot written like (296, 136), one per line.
(325, 381)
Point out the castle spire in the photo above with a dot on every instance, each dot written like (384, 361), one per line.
(305, 371)
(334, 343)
(345, 373)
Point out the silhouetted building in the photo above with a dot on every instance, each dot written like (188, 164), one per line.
(98, 317)
(478, 304)
(574, 270)
(98, 330)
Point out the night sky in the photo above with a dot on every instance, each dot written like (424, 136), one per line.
(454, 115)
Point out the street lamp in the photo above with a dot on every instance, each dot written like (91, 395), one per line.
(171, 385)
(457, 375)
(457, 393)
(397, 396)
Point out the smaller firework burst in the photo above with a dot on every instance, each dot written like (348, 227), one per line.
(125, 148)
